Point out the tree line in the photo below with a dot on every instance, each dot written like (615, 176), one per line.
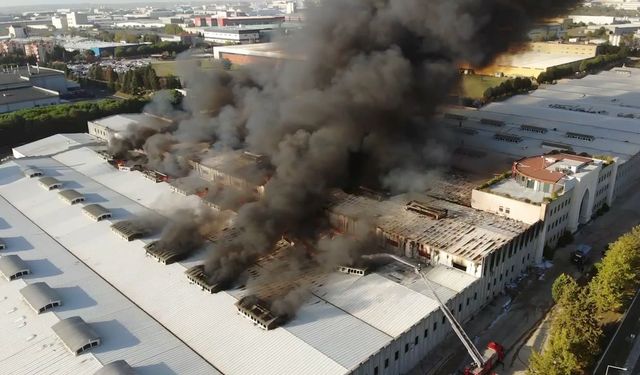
(133, 81)
(576, 333)
(28, 125)
(508, 88)
(612, 56)
(171, 48)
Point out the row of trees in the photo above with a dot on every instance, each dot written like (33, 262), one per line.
(28, 125)
(613, 56)
(172, 48)
(134, 81)
(575, 336)
(509, 87)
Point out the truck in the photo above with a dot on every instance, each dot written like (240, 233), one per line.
(580, 256)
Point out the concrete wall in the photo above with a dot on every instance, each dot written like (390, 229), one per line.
(512, 208)
(51, 82)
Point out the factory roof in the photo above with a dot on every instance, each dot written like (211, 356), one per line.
(53, 145)
(25, 94)
(123, 122)
(462, 231)
(581, 115)
(10, 265)
(28, 340)
(330, 334)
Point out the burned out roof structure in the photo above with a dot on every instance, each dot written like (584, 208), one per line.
(437, 224)
(32, 172)
(71, 196)
(49, 183)
(76, 334)
(40, 296)
(96, 212)
(198, 276)
(13, 267)
(163, 254)
(259, 312)
(119, 367)
(129, 230)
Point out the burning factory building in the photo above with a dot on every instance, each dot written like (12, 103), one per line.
(254, 170)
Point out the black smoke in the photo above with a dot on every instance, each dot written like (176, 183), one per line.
(374, 73)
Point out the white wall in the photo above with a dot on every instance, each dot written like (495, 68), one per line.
(518, 210)
(4, 108)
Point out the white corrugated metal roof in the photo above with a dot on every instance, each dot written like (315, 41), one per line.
(126, 331)
(53, 145)
(347, 320)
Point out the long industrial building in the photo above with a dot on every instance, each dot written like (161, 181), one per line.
(592, 126)
(358, 321)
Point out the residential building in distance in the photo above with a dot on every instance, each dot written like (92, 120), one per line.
(17, 31)
(77, 19)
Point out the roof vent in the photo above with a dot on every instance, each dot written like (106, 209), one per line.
(582, 137)
(198, 276)
(71, 196)
(360, 271)
(3, 246)
(534, 129)
(76, 334)
(258, 311)
(96, 212)
(488, 121)
(40, 296)
(13, 267)
(129, 230)
(508, 138)
(163, 254)
(49, 183)
(120, 367)
(426, 210)
(32, 172)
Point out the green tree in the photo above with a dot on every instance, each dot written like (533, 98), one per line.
(563, 286)
(617, 276)
(556, 359)
(173, 29)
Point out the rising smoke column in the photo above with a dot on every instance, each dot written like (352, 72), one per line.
(373, 74)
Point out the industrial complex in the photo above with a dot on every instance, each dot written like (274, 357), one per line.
(69, 229)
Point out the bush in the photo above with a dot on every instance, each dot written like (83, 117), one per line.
(28, 125)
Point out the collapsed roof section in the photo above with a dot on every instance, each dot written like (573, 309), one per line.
(198, 276)
(13, 267)
(40, 296)
(76, 334)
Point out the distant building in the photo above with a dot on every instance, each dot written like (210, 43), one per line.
(202, 21)
(40, 49)
(60, 22)
(234, 35)
(22, 87)
(252, 53)
(76, 20)
(17, 31)
(593, 20)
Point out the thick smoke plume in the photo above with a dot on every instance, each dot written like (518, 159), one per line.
(355, 110)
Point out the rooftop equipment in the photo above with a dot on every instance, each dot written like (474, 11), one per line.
(76, 334)
(534, 129)
(465, 130)
(155, 176)
(129, 230)
(197, 276)
(583, 137)
(13, 267)
(259, 312)
(3, 246)
(488, 121)
(507, 138)
(556, 145)
(454, 116)
(71, 196)
(32, 172)
(49, 183)
(426, 210)
(119, 367)
(40, 296)
(359, 271)
(163, 254)
(96, 212)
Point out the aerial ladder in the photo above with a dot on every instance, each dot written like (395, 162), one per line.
(483, 363)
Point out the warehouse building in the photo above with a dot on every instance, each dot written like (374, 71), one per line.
(381, 321)
(537, 58)
(592, 126)
(30, 86)
(252, 54)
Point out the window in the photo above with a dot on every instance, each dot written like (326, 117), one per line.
(443, 319)
(406, 348)
(501, 209)
(397, 355)
(435, 326)
(386, 362)
(475, 296)
(415, 342)
(507, 210)
(460, 307)
(467, 301)
(375, 370)
(426, 333)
